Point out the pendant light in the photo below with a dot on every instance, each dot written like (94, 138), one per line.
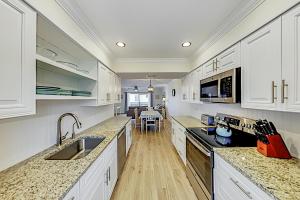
(136, 89)
(150, 87)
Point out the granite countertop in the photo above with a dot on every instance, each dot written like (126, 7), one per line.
(280, 178)
(189, 121)
(37, 178)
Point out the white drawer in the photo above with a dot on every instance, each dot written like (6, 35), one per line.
(73, 194)
(180, 128)
(230, 184)
(181, 146)
(181, 136)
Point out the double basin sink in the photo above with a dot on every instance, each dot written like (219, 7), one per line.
(78, 149)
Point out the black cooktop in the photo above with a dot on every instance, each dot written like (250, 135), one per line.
(210, 138)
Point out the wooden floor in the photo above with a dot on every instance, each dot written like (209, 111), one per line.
(153, 170)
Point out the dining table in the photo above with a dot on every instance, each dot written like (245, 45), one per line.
(153, 114)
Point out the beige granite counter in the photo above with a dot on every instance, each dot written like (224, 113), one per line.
(37, 178)
(189, 121)
(279, 178)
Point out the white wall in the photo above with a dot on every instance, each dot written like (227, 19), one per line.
(287, 123)
(173, 103)
(151, 65)
(160, 91)
(23, 137)
(268, 10)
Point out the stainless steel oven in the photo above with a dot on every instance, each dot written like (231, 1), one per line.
(199, 168)
(121, 150)
(222, 88)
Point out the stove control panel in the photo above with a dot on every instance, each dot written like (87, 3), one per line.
(239, 123)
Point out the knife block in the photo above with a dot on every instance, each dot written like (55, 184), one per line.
(276, 147)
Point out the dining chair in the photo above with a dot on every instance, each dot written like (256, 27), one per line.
(149, 108)
(150, 122)
(163, 118)
(137, 118)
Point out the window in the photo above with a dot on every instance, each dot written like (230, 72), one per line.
(138, 99)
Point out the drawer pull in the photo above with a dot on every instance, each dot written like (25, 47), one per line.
(109, 173)
(106, 178)
(248, 194)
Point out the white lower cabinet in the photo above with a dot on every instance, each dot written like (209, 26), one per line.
(73, 194)
(179, 140)
(181, 145)
(128, 136)
(111, 175)
(98, 182)
(229, 184)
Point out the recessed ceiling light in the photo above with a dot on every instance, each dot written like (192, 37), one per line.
(186, 44)
(120, 44)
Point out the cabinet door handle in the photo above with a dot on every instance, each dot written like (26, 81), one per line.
(109, 174)
(106, 177)
(283, 85)
(273, 92)
(213, 65)
(217, 64)
(248, 194)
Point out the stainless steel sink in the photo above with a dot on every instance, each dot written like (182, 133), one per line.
(78, 149)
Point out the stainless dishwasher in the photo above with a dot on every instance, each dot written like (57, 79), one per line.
(121, 150)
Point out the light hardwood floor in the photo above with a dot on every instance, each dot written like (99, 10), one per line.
(153, 170)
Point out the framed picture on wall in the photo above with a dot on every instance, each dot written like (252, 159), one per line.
(173, 92)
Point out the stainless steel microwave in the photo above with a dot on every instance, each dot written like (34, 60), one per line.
(222, 88)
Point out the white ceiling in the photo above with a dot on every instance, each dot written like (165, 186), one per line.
(155, 28)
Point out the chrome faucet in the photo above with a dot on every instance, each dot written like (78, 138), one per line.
(60, 137)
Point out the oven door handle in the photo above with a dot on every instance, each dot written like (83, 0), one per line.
(199, 146)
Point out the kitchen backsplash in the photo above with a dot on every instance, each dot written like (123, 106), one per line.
(22, 137)
(287, 123)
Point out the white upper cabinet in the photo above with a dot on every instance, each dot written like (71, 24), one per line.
(290, 85)
(229, 59)
(117, 89)
(196, 76)
(261, 67)
(17, 59)
(109, 86)
(192, 77)
(185, 88)
(103, 79)
(209, 68)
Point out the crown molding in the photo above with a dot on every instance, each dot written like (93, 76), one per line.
(73, 10)
(236, 16)
(151, 60)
